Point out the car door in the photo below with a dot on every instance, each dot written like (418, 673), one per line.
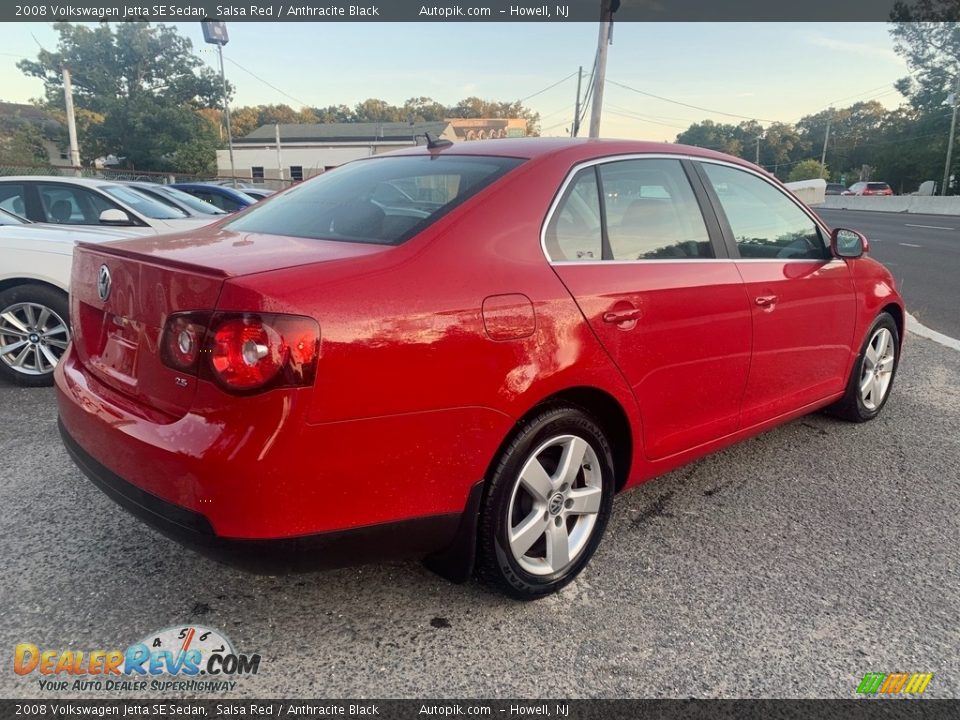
(630, 241)
(66, 204)
(802, 299)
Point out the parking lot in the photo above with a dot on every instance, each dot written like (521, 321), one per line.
(787, 566)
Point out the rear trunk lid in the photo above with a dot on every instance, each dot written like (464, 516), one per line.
(123, 292)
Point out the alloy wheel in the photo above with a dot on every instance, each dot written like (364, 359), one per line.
(877, 371)
(554, 504)
(33, 338)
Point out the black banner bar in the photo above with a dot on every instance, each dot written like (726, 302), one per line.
(865, 709)
(478, 10)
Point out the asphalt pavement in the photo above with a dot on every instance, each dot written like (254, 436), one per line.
(922, 252)
(787, 566)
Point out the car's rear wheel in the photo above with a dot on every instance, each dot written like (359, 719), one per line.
(546, 505)
(34, 333)
(872, 378)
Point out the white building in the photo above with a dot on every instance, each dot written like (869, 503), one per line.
(309, 149)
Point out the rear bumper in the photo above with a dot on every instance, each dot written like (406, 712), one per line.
(435, 535)
(258, 486)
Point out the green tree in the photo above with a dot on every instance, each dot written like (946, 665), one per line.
(808, 170)
(714, 136)
(143, 81)
(424, 109)
(334, 114)
(374, 110)
(22, 144)
(475, 107)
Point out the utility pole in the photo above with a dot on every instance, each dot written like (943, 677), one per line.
(759, 137)
(276, 128)
(826, 138)
(576, 113)
(953, 127)
(604, 38)
(71, 121)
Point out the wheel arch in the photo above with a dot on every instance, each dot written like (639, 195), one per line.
(7, 283)
(456, 562)
(604, 408)
(895, 311)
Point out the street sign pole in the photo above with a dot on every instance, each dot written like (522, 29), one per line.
(215, 33)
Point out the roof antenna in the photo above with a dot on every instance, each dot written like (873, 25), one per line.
(436, 143)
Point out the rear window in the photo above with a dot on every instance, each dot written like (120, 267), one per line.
(877, 186)
(384, 201)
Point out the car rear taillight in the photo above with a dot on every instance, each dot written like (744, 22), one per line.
(183, 340)
(243, 352)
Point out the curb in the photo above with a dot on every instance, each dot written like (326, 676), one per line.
(918, 328)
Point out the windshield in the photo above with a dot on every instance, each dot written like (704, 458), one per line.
(143, 204)
(384, 201)
(182, 198)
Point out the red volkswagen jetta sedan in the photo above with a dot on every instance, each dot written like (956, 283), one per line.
(464, 352)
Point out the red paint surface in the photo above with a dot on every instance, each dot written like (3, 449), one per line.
(431, 351)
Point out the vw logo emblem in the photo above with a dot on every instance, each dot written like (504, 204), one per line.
(103, 283)
(556, 504)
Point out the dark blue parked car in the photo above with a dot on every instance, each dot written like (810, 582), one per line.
(221, 196)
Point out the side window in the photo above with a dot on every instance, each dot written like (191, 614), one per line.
(229, 204)
(574, 232)
(212, 198)
(13, 199)
(651, 211)
(66, 205)
(764, 221)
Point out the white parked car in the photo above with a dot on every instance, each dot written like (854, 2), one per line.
(95, 202)
(35, 265)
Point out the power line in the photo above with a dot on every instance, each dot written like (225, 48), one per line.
(865, 92)
(548, 87)
(695, 107)
(641, 118)
(265, 82)
(560, 124)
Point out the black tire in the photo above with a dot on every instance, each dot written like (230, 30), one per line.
(32, 373)
(852, 406)
(496, 563)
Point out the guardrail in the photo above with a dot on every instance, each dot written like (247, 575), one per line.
(921, 204)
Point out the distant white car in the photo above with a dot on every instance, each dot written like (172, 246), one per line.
(35, 265)
(93, 202)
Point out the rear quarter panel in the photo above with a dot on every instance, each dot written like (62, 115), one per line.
(404, 344)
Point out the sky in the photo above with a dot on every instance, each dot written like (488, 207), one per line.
(766, 71)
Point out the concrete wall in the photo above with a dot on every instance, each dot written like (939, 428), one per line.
(811, 192)
(896, 203)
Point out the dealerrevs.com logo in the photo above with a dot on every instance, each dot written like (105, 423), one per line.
(177, 659)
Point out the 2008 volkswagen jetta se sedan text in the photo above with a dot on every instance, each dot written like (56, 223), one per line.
(463, 352)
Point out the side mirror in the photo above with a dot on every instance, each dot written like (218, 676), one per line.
(846, 243)
(113, 216)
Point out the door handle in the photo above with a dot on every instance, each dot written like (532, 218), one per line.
(767, 300)
(621, 316)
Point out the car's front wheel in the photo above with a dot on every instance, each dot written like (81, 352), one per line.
(34, 332)
(546, 505)
(872, 378)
